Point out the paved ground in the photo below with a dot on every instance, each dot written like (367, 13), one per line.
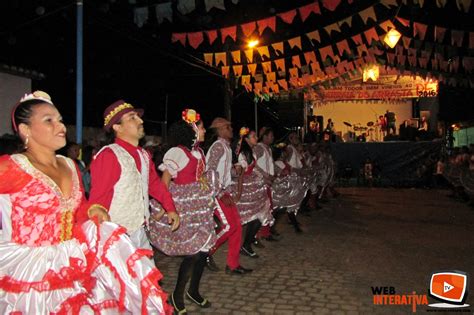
(366, 237)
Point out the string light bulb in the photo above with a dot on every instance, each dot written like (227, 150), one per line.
(392, 37)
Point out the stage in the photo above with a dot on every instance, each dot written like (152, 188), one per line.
(398, 163)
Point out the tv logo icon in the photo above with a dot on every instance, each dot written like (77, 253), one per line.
(450, 287)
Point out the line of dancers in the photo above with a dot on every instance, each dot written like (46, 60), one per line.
(93, 256)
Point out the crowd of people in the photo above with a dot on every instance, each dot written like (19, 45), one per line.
(78, 234)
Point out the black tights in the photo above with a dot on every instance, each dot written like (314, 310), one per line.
(191, 267)
(252, 229)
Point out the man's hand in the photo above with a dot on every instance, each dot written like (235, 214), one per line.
(98, 212)
(173, 220)
(158, 215)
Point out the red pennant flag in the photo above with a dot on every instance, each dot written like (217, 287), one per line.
(391, 58)
(406, 42)
(314, 36)
(306, 10)
(229, 31)
(280, 64)
(221, 58)
(284, 84)
(325, 52)
(293, 72)
(195, 39)
(357, 39)
(401, 59)
(268, 22)
(252, 68)
(271, 77)
(288, 17)
(404, 22)
(211, 36)
(237, 70)
(278, 47)
(179, 37)
(412, 61)
(225, 72)
(411, 52)
(208, 58)
(343, 46)
(248, 28)
(296, 41)
(245, 80)
(367, 14)
(423, 62)
(235, 56)
(296, 62)
(263, 51)
(276, 89)
(439, 34)
(468, 64)
(456, 37)
(267, 66)
(420, 29)
(310, 57)
(331, 5)
(371, 35)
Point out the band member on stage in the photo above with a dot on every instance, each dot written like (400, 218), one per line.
(219, 159)
(382, 127)
(391, 119)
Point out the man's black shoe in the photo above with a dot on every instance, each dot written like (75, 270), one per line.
(248, 251)
(211, 264)
(237, 271)
(258, 243)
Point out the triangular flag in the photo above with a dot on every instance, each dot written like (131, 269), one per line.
(423, 62)
(313, 36)
(362, 48)
(288, 16)
(406, 41)
(420, 29)
(252, 67)
(211, 36)
(248, 28)
(342, 46)
(276, 88)
(295, 61)
(249, 54)
(280, 64)
(456, 38)
(331, 5)
(310, 57)
(179, 37)
(296, 41)
(257, 87)
(140, 16)
(367, 14)
(412, 61)
(221, 58)
(195, 39)
(387, 25)
(284, 84)
(164, 11)
(401, 59)
(325, 52)
(268, 22)
(332, 27)
(225, 72)
(411, 52)
(293, 72)
(315, 68)
(219, 4)
(186, 6)
(439, 33)
(371, 35)
(267, 66)
(389, 3)
(278, 47)
(236, 56)
(237, 70)
(357, 39)
(263, 51)
(306, 10)
(347, 21)
(229, 32)
(404, 22)
(245, 80)
(208, 58)
(271, 76)
(391, 58)
(464, 4)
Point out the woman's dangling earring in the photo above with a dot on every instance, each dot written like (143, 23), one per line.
(26, 142)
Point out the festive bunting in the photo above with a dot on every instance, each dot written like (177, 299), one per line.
(419, 29)
(280, 64)
(186, 6)
(331, 5)
(164, 11)
(219, 4)
(411, 52)
(347, 21)
(140, 16)
(195, 39)
(468, 64)
(248, 28)
(439, 33)
(278, 47)
(245, 80)
(296, 41)
(361, 49)
(235, 56)
(237, 70)
(325, 52)
(263, 51)
(276, 88)
(295, 61)
(389, 3)
(314, 36)
(456, 37)
(412, 61)
(310, 57)
(391, 58)
(357, 39)
(257, 87)
(271, 77)
(252, 68)
(211, 36)
(387, 25)
(293, 72)
(179, 37)
(404, 22)
(268, 22)
(267, 66)
(401, 59)
(371, 35)
(284, 84)
(332, 27)
(229, 31)
(249, 54)
(423, 62)
(288, 17)
(208, 58)
(367, 14)
(221, 58)
(406, 42)
(464, 4)
(306, 10)
(225, 71)
(343, 46)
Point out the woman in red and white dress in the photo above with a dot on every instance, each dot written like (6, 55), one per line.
(54, 260)
(193, 191)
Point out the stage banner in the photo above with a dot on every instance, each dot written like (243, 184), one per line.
(386, 87)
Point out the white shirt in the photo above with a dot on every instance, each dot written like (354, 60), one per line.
(219, 159)
(175, 160)
(264, 158)
(295, 158)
